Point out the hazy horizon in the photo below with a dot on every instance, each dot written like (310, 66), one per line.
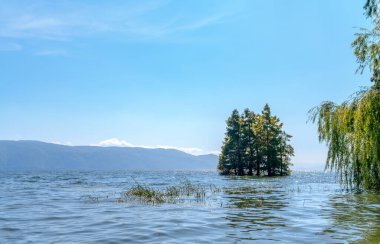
(107, 144)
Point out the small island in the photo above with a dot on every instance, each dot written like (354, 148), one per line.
(255, 144)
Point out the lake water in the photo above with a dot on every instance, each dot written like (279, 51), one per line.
(85, 207)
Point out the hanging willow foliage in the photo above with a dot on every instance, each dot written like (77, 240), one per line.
(352, 133)
(352, 130)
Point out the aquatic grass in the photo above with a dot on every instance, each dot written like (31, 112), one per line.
(185, 191)
(145, 194)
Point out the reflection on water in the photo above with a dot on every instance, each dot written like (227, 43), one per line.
(300, 209)
(83, 207)
(356, 215)
(255, 209)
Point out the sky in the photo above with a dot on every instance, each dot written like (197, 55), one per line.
(168, 73)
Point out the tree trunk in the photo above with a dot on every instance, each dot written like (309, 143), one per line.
(240, 165)
(250, 166)
(267, 152)
(257, 162)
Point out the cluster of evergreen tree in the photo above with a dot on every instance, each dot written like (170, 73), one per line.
(255, 144)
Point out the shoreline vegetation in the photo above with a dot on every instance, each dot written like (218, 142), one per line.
(351, 130)
(255, 144)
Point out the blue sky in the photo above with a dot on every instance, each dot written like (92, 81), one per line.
(169, 73)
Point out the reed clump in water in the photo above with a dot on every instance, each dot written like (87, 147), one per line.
(184, 191)
(145, 194)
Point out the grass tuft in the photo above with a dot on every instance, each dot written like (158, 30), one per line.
(184, 191)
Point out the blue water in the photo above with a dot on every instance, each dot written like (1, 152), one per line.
(85, 207)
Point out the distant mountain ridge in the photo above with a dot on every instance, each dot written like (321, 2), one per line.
(36, 155)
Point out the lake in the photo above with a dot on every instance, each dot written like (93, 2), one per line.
(85, 207)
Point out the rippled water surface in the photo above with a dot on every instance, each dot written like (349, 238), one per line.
(85, 207)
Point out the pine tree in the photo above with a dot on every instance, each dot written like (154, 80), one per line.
(272, 129)
(231, 157)
(258, 129)
(285, 152)
(249, 140)
(255, 142)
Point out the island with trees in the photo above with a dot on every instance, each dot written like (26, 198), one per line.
(255, 144)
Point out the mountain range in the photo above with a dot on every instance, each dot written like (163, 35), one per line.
(36, 155)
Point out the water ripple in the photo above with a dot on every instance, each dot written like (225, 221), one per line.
(71, 207)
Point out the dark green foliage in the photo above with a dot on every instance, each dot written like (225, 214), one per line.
(232, 147)
(255, 144)
(352, 129)
(371, 7)
(249, 140)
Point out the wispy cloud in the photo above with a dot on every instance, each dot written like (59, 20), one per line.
(52, 52)
(24, 26)
(68, 143)
(33, 23)
(200, 23)
(115, 142)
(71, 19)
(10, 47)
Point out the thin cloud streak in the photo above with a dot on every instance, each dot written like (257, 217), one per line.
(53, 52)
(130, 21)
(10, 47)
(115, 142)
